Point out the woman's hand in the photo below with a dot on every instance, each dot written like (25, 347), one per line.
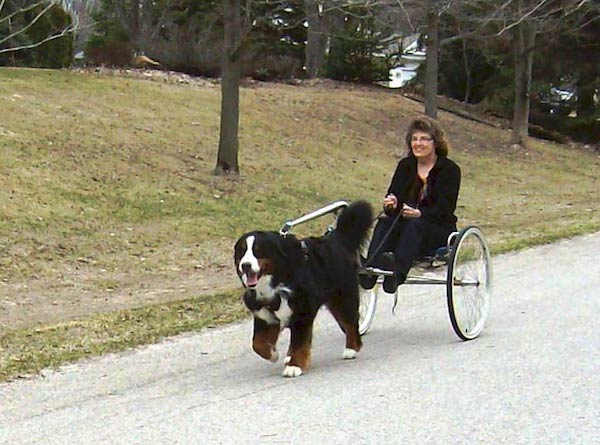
(390, 202)
(409, 212)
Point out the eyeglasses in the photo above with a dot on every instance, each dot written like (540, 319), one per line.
(422, 139)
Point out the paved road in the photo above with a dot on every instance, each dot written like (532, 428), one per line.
(533, 377)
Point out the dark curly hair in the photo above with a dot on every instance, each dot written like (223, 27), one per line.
(431, 127)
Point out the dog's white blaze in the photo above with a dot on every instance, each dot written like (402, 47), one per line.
(292, 371)
(249, 258)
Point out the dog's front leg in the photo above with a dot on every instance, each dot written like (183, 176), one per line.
(264, 340)
(298, 359)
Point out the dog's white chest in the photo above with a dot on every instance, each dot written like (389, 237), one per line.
(284, 313)
(267, 295)
(264, 292)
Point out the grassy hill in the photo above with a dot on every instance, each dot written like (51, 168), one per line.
(107, 198)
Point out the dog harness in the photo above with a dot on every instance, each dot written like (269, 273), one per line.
(304, 247)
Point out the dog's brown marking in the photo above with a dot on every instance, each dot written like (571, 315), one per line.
(265, 340)
(267, 267)
(301, 356)
(353, 340)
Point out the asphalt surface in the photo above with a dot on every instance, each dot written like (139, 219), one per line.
(532, 377)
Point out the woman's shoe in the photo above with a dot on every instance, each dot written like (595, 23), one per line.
(367, 281)
(391, 282)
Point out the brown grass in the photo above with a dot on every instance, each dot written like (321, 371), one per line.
(108, 202)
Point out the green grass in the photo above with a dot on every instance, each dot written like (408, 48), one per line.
(27, 351)
(107, 195)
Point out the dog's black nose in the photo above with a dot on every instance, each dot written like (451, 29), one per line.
(245, 267)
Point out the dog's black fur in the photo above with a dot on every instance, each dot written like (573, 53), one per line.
(287, 280)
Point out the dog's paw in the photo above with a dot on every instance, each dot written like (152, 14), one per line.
(274, 356)
(292, 371)
(349, 354)
(287, 359)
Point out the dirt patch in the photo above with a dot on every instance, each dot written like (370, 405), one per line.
(38, 301)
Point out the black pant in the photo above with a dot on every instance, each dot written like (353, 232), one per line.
(411, 238)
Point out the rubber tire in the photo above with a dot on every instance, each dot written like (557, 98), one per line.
(367, 307)
(468, 324)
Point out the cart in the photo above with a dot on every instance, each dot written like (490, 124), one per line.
(463, 266)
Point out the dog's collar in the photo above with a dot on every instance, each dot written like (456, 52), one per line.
(304, 248)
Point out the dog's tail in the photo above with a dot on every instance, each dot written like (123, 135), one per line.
(354, 223)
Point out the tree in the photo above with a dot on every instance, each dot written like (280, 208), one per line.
(432, 59)
(524, 21)
(81, 11)
(316, 39)
(425, 17)
(355, 46)
(520, 22)
(227, 156)
(26, 25)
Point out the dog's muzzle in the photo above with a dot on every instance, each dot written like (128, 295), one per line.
(249, 277)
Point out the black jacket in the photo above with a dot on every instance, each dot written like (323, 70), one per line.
(443, 183)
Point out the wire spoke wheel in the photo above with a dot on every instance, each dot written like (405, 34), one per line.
(469, 283)
(366, 308)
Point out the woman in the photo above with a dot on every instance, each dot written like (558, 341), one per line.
(419, 205)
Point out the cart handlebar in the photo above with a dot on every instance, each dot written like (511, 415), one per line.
(333, 207)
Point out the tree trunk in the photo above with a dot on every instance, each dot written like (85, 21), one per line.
(136, 26)
(335, 23)
(468, 74)
(587, 83)
(227, 157)
(524, 39)
(12, 54)
(316, 39)
(431, 62)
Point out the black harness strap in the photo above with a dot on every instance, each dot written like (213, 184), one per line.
(304, 247)
(383, 240)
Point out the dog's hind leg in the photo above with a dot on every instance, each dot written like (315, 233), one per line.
(298, 359)
(347, 319)
(264, 341)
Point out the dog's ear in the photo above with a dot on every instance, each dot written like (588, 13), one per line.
(239, 248)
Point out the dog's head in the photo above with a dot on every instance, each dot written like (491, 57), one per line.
(258, 254)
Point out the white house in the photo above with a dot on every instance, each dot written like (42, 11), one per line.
(409, 61)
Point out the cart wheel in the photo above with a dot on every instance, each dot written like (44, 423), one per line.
(367, 306)
(469, 283)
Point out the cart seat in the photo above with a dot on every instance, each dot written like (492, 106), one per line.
(438, 258)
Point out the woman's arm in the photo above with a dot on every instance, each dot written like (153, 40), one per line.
(443, 196)
(400, 185)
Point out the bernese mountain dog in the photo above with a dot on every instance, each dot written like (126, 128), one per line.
(287, 280)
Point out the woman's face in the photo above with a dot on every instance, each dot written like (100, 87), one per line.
(422, 145)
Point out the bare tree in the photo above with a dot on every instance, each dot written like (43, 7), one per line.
(81, 12)
(316, 40)
(12, 19)
(432, 59)
(227, 156)
(521, 22)
(424, 17)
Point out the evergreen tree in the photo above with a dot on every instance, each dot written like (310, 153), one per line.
(36, 34)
